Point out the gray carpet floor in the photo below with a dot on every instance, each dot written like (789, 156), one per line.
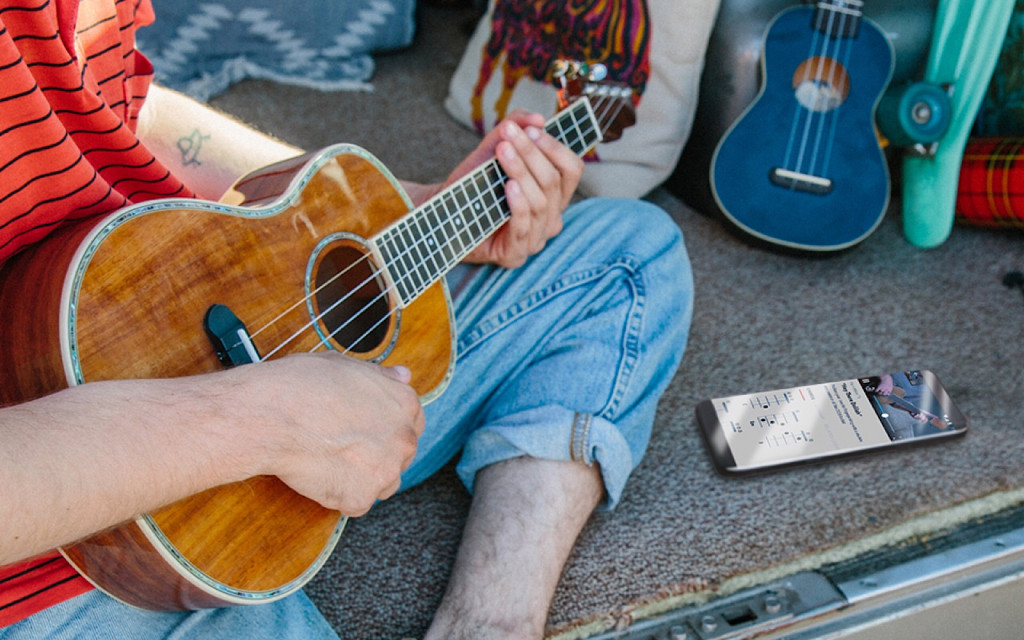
(762, 319)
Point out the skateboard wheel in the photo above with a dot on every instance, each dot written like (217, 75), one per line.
(917, 113)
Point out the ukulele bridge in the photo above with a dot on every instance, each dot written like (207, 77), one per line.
(801, 181)
(229, 336)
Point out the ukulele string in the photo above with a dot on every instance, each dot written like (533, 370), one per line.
(812, 110)
(308, 297)
(818, 110)
(373, 275)
(485, 232)
(609, 110)
(608, 113)
(844, 63)
(323, 343)
(830, 114)
(798, 108)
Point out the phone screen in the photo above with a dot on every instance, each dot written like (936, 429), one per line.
(812, 422)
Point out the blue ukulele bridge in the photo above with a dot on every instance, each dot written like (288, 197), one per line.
(801, 181)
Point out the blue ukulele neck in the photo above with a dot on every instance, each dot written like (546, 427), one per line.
(838, 18)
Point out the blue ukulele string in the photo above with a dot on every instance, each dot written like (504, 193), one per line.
(812, 113)
(495, 223)
(826, 115)
(845, 64)
(798, 108)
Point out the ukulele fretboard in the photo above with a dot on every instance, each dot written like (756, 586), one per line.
(424, 245)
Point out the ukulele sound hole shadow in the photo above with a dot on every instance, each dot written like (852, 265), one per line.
(352, 305)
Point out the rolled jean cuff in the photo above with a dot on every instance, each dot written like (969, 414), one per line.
(552, 433)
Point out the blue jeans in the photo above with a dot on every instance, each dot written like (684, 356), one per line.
(94, 615)
(564, 358)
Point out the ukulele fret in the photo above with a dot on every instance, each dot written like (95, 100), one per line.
(576, 127)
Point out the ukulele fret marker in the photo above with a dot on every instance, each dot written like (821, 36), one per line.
(427, 264)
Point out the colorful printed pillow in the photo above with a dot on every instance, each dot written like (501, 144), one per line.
(656, 47)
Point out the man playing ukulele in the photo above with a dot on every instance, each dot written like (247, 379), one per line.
(563, 354)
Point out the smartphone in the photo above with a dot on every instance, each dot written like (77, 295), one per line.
(784, 427)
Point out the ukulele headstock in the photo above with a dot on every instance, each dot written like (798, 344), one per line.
(613, 102)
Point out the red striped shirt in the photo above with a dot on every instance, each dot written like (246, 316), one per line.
(68, 148)
(73, 85)
(33, 585)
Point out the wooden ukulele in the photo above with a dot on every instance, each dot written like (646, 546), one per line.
(802, 167)
(316, 252)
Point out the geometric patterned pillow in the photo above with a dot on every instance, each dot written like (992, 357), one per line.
(202, 47)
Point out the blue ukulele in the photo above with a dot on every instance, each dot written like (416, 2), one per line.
(802, 167)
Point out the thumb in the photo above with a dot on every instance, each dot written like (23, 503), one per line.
(398, 372)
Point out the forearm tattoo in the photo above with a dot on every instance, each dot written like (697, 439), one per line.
(190, 146)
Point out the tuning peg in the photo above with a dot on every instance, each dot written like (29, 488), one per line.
(559, 68)
(576, 69)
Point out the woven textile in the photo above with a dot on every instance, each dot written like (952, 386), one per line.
(201, 48)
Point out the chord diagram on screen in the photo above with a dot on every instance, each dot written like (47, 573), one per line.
(787, 438)
(774, 420)
(768, 400)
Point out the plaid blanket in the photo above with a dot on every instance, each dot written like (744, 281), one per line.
(991, 190)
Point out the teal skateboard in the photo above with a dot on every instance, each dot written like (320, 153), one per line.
(966, 42)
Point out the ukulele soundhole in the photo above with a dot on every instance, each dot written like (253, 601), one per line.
(821, 84)
(351, 305)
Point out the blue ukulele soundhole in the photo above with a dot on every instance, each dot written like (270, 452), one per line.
(803, 167)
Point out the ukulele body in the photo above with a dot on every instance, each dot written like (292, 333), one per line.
(802, 167)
